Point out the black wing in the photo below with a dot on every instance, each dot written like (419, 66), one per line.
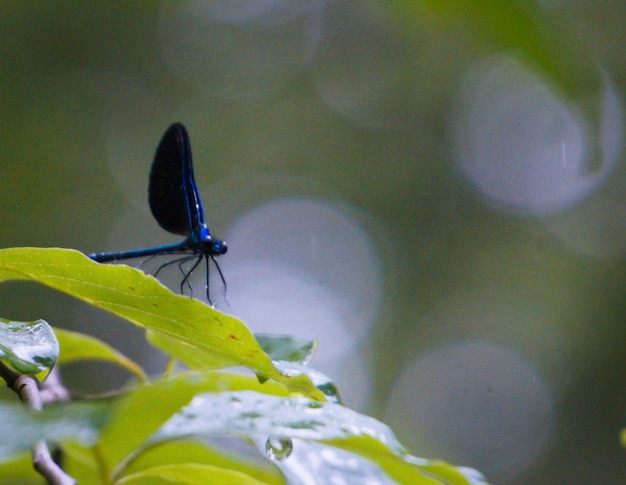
(172, 193)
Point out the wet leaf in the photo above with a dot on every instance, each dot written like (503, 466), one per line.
(132, 425)
(28, 347)
(304, 437)
(79, 422)
(287, 348)
(319, 380)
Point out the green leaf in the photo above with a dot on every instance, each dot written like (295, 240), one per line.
(319, 380)
(288, 348)
(28, 347)
(78, 346)
(326, 440)
(189, 473)
(82, 464)
(189, 354)
(261, 412)
(331, 464)
(252, 414)
(77, 421)
(351, 446)
(405, 468)
(181, 326)
(306, 429)
(132, 425)
(188, 451)
(19, 470)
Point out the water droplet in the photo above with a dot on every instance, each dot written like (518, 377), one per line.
(278, 448)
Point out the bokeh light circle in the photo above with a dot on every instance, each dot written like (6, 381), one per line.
(307, 268)
(524, 147)
(476, 403)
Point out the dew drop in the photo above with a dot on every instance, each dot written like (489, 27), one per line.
(278, 448)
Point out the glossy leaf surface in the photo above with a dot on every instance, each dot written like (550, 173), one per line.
(28, 347)
(182, 326)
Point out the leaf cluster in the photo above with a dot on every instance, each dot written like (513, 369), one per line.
(239, 412)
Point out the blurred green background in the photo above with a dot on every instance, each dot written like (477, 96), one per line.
(467, 156)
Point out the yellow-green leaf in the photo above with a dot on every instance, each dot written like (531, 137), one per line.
(190, 451)
(19, 470)
(132, 425)
(190, 474)
(78, 346)
(183, 325)
(402, 468)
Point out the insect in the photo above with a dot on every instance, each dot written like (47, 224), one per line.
(176, 205)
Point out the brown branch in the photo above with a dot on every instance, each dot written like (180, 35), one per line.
(27, 388)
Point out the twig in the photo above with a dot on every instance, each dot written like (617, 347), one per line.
(27, 388)
(53, 390)
(45, 465)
